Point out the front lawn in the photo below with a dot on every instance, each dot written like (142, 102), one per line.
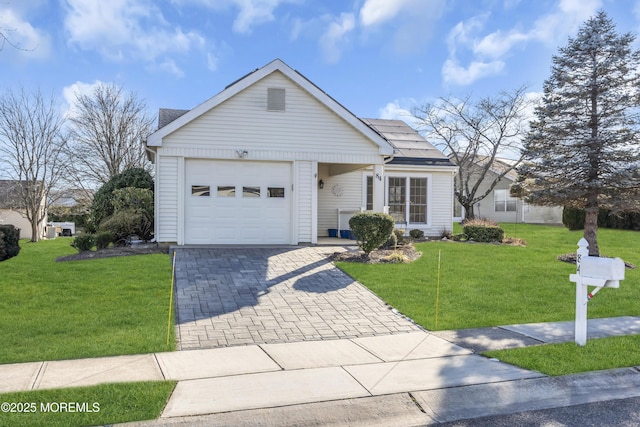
(569, 358)
(490, 285)
(103, 404)
(64, 310)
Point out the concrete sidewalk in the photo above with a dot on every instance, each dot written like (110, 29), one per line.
(403, 379)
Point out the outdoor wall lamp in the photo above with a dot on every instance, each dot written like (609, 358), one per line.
(321, 184)
(379, 177)
(242, 153)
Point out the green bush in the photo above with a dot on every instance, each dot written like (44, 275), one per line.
(102, 205)
(416, 233)
(9, 241)
(84, 242)
(125, 223)
(391, 242)
(573, 218)
(371, 229)
(103, 239)
(399, 233)
(481, 233)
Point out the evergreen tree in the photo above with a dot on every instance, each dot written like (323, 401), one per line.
(583, 148)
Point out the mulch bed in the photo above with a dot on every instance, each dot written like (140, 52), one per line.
(380, 256)
(117, 251)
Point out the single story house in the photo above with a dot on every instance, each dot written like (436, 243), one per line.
(12, 209)
(273, 159)
(501, 206)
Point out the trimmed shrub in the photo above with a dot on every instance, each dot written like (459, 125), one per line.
(10, 241)
(123, 224)
(573, 218)
(399, 233)
(102, 205)
(103, 239)
(480, 233)
(371, 229)
(84, 242)
(416, 233)
(391, 242)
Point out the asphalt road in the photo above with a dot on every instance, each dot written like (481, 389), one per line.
(619, 413)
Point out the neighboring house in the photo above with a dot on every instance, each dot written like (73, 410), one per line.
(273, 159)
(500, 206)
(12, 209)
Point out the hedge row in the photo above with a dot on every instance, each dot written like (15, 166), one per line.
(483, 233)
(573, 219)
(9, 241)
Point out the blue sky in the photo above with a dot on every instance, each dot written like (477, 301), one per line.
(379, 58)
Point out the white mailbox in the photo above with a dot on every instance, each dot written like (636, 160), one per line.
(592, 271)
(600, 272)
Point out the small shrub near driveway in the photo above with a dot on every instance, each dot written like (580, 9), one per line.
(103, 240)
(84, 242)
(371, 229)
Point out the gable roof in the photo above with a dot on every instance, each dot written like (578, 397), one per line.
(499, 166)
(155, 139)
(10, 197)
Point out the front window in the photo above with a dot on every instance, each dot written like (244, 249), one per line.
(397, 198)
(418, 200)
(503, 201)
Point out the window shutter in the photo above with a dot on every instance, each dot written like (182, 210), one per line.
(275, 99)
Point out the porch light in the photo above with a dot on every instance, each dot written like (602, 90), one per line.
(379, 177)
(321, 184)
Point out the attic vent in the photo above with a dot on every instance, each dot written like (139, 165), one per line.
(275, 99)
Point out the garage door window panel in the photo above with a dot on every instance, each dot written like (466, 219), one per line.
(275, 192)
(200, 190)
(226, 191)
(251, 192)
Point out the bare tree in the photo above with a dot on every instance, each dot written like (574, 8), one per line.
(32, 144)
(474, 135)
(107, 130)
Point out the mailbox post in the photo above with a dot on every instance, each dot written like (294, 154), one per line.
(592, 271)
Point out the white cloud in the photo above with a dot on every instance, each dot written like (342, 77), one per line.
(452, 72)
(127, 30)
(487, 53)
(334, 39)
(71, 92)
(412, 21)
(170, 66)
(23, 40)
(212, 62)
(375, 12)
(250, 12)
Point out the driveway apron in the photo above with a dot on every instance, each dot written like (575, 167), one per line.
(237, 296)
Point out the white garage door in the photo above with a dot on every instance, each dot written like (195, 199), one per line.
(237, 202)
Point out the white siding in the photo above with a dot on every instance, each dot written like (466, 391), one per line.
(441, 203)
(328, 203)
(18, 220)
(439, 211)
(307, 130)
(305, 183)
(167, 196)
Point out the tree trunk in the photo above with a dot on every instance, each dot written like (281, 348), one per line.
(35, 232)
(469, 213)
(591, 230)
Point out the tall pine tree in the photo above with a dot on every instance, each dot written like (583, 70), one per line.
(583, 148)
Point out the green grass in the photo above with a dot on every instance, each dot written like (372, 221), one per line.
(569, 358)
(63, 310)
(109, 403)
(490, 285)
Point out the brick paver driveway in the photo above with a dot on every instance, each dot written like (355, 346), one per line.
(235, 296)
